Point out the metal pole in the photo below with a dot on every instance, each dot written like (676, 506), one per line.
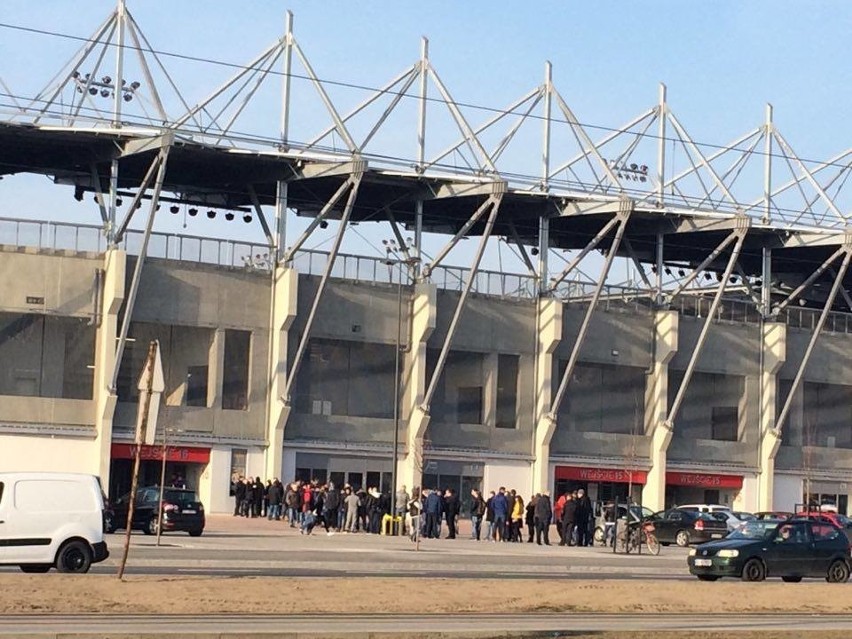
(162, 482)
(394, 487)
(829, 302)
(418, 237)
(584, 327)
(660, 266)
(693, 360)
(421, 124)
(662, 113)
(548, 101)
(121, 20)
(767, 166)
(288, 65)
(543, 252)
(281, 219)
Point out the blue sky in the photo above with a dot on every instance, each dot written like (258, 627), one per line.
(722, 61)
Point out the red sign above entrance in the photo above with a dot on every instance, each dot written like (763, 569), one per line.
(185, 454)
(606, 475)
(704, 480)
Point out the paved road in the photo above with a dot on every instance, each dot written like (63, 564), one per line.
(116, 625)
(235, 546)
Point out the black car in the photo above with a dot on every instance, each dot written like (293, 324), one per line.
(790, 549)
(181, 511)
(686, 527)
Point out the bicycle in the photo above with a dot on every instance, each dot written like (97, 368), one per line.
(639, 533)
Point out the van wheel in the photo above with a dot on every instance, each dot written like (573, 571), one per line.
(151, 526)
(196, 532)
(75, 556)
(35, 567)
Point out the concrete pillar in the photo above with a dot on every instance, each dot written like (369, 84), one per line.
(666, 325)
(112, 296)
(489, 390)
(549, 332)
(216, 369)
(424, 311)
(284, 306)
(774, 345)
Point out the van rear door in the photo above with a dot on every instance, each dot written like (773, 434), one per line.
(6, 521)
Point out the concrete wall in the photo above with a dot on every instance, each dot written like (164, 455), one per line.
(511, 475)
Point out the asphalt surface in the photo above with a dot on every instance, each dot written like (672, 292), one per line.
(117, 625)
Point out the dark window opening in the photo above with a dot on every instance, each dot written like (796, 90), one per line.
(507, 391)
(196, 386)
(724, 422)
(235, 382)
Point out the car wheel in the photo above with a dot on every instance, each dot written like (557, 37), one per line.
(151, 526)
(754, 570)
(708, 577)
(196, 532)
(682, 538)
(791, 580)
(35, 567)
(74, 556)
(838, 572)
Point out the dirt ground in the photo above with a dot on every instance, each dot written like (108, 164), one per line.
(53, 593)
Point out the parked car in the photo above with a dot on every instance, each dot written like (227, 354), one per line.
(790, 549)
(841, 521)
(181, 511)
(685, 527)
(774, 514)
(731, 520)
(705, 508)
(51, 520)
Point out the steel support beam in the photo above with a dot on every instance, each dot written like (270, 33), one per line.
(522, 249)
(118, 234)
(556, 281)
(137, 271)
(270, 239)
(792, 297)
(704, 264)
(494, 203)
(99, 194)
(280, 219)
(543, 253)
(702, 337)
(332, 256)
(829, 302)
(622, 218)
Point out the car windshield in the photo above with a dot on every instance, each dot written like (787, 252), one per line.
(758, 529)
(179, 497)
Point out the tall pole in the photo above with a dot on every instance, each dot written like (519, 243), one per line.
(140, 425)
(285, 89)
(162, 481)
(662, 114)
(394, 487)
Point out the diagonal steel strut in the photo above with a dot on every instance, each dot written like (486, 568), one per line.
(556, 281)
(829, 302)
(741, 233)
(623, 216)
(332, 256)
(494, 202)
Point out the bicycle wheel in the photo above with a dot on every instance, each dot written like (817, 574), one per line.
(653, 543)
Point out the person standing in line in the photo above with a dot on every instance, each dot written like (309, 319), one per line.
(264, 512)
(569, 520)
(259, 493)
(584, 513)
(543, 514)
(331, 505)
(530, 517)
(415, 507)
(433, 514)
(557, 517)
(273, 496)
(501, 511)
(248, 499)
(351, 502)
(400, 506)
(489, 517)
(517, 519)
(477, 510)
(239, 495)
(452, 506)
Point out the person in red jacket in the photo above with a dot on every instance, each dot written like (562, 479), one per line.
(557, 515)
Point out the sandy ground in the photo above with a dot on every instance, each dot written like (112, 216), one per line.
(53, 593)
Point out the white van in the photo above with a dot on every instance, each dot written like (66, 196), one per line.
(51, 519)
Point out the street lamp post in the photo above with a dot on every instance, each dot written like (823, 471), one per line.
(394, 259)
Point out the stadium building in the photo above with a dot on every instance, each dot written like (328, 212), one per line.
(677, 326)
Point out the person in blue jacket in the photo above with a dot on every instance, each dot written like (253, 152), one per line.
(433, 510)
(500, 506)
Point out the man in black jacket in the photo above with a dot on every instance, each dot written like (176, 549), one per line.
(569, 520)
(584, 513)
(331, 504)
(451, 511)
(239, 494)
(274, 497)
(543, 513)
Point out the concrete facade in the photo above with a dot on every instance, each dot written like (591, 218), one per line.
(228, 335)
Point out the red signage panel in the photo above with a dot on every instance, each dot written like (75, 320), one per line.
(184, 454)
(704, 480)
(607, 475)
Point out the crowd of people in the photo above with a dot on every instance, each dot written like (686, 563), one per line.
(502, 516)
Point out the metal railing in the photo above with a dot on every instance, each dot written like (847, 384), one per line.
(70, 236)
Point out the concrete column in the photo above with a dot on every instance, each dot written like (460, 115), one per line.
(216, 369)
(774, 345)
(424, 310)
(112, 296)
(666, 325)
(284, 306)
(489, 390)
(549, 332)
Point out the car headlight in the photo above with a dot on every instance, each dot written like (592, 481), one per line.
(728, 553)
(692, 552)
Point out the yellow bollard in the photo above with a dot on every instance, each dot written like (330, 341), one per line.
(387, 524)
